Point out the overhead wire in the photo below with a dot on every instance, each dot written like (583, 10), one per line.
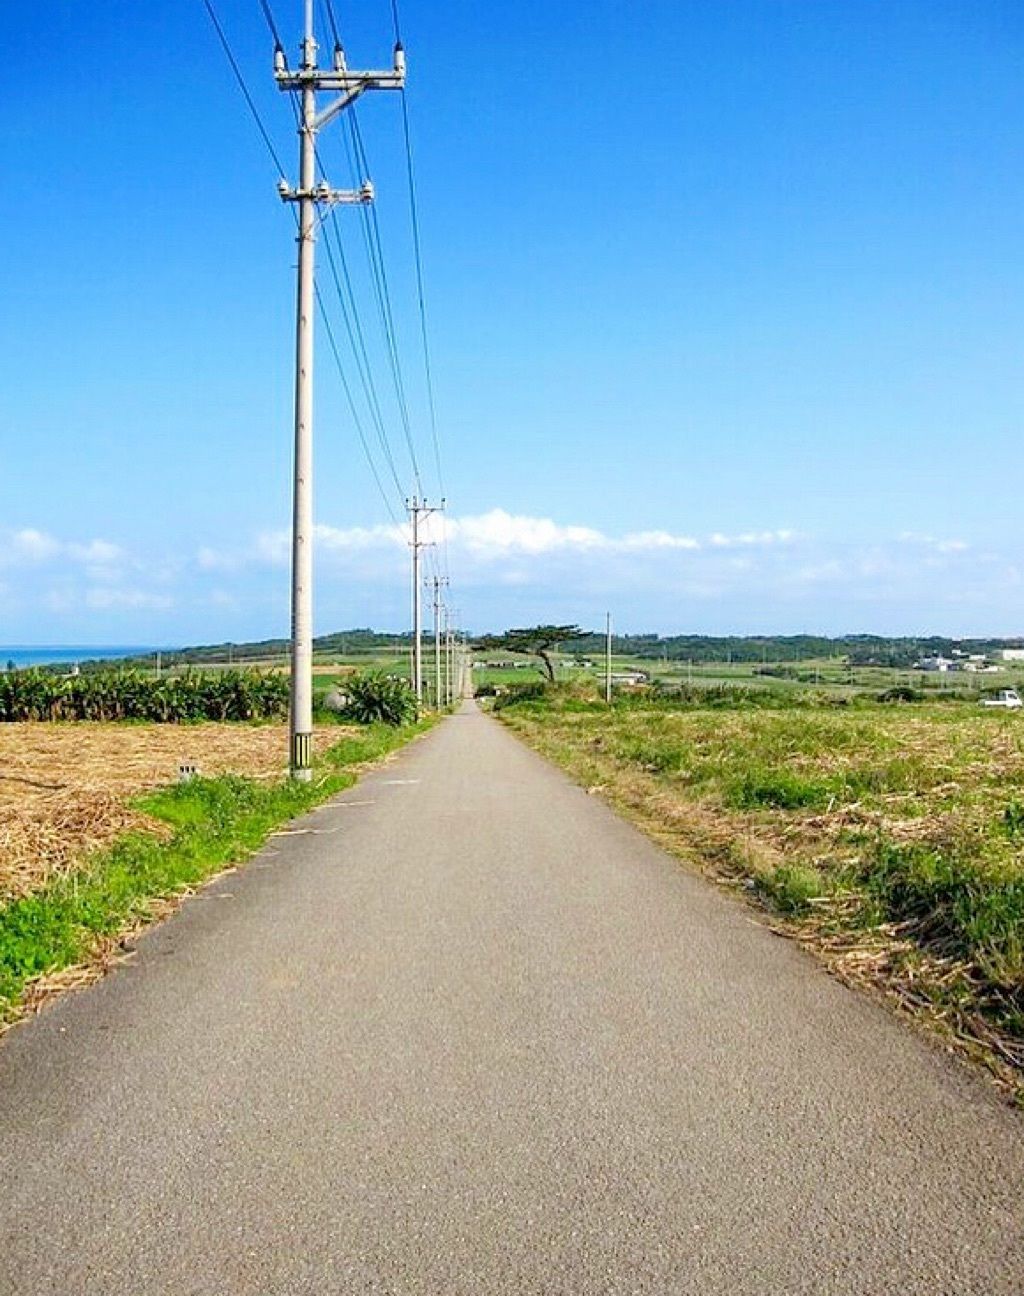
(332, 342)
(378, 273)
(354, 331)
(276, 159)
(328, 7)
(268, 14)
(250, 102)
(420, 292)
(418, 257)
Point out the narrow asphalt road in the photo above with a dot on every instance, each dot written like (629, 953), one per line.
(463, 1031)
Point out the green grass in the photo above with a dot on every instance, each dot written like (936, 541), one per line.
(215, 822)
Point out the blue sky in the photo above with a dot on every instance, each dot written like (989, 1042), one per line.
(725, 310)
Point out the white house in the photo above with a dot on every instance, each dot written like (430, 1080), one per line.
(934, 664)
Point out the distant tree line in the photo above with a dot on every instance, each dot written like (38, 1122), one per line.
(857, 650)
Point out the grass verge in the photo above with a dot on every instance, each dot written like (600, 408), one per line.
(889, 840)
(81, 917)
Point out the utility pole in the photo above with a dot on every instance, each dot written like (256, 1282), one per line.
(608, 657)
(310, 195)
(454, 660)
(417, 509)
(449, 660)
(436, 581)
(447, 657)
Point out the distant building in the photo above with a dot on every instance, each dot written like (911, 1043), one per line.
(1013, 654)
(934, 664)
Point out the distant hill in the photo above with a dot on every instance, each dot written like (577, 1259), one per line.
(858, 650)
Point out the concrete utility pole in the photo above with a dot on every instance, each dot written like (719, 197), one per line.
(608, 657)
(447, 657)
(436, 582)
(454, 660)
(309, 195)
(418, 509)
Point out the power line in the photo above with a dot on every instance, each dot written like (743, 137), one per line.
(350, 316)
(421, 296)
(420, 292)
(378, 272)
(352, 406)
(250, 102)
(394, 19)
(331, 20)
(269, 16)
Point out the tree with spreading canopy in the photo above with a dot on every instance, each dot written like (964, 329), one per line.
(533, 641)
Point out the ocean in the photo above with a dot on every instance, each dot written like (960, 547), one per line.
(27, 655)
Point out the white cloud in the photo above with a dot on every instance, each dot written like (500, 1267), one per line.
(346, 538)
(934, 543)
(96, 553)
(209, 559)
(32, 547)
(753, 539)
(658, 540)
(494, 536)
(498, 532)
(104, 598)
(29, 546)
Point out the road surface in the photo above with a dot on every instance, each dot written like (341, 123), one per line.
(464, 1031)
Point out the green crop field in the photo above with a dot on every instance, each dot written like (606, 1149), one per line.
(889, 836)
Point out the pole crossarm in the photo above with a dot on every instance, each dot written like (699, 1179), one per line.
(322, 193)
(348, 85)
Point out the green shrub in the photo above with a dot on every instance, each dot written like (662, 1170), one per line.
(955, 901)
(376, 697)
(528, 691)
(792, 887)
(779, 789)
(901, 693)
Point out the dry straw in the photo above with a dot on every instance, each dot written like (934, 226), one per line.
(66, 789)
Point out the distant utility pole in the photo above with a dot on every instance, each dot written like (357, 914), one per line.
(310, 195)
(454, 657)
(438, 582)
(608, 657)
(447, 657)
(418, 509)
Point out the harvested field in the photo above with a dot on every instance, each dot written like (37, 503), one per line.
(65, 789)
